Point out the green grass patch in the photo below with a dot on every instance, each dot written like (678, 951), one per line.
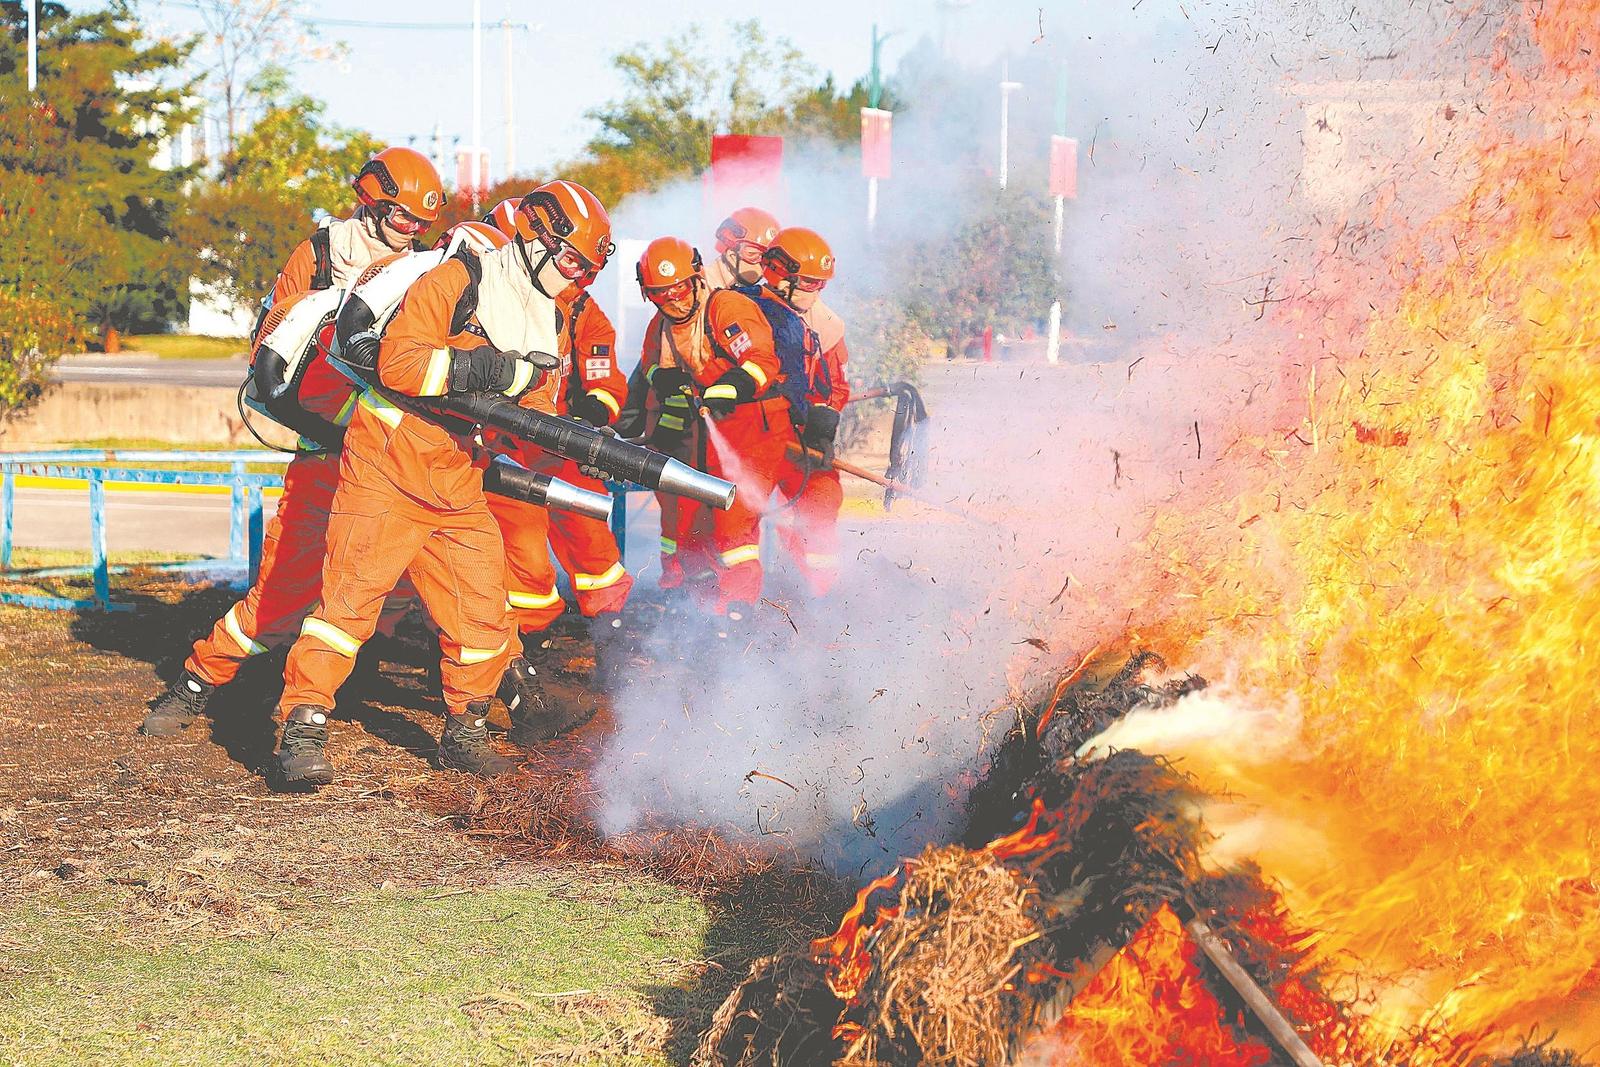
(23, 559)
(186, 346)
(403, 977)
(141, 444)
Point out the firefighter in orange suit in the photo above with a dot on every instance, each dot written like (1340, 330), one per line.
(798, 264)
(714, 350)
(410, 494)
(399, 196)
(742, 240)
(588, 386)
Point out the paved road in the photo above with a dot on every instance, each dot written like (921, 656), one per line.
(181, 523)
(149, 370)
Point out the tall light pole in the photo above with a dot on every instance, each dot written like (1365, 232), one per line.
(1007, 87)
(33, 46)
(477, 104)
(1058, 182)
(511, 119)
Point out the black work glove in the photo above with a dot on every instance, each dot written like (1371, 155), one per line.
(671, 430)
(669, 381)
(818, 434)
(733, 388)
(592, 410)
(484, 370)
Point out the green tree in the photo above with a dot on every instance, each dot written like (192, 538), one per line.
(84, 212)
(994, 270)
(287, 167)
(682, 91)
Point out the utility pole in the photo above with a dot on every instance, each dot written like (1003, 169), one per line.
(33, 46)
(511, 120)
(1007, 87)
(476, 170)
(874, 96)
(1052, 349)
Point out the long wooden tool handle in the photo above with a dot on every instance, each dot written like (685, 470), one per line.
(900, 488)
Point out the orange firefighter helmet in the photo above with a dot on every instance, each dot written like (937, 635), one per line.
(667, 261)
(478, 236)
(670, 273)
(799, 254)
(404, 178)
(562, 215)
(503, 216)
(746, 224)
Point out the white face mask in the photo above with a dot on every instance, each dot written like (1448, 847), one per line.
(745, 273)
(550, 278)
(803, 301)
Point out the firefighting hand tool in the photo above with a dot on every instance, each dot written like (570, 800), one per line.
(505, 478)
(588, 447)
(900, 488)
(908, 435)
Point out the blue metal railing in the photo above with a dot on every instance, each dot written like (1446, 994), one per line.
(245, 529)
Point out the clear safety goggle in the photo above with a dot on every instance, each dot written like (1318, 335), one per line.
(675, 293)
(402, 221)
(749, 251)
(809, 285)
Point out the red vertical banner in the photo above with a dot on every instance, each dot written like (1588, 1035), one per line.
(465, 184)
(746, 170)
(1064, 167)
(877, 128)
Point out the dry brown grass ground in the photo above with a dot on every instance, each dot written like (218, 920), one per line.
(161, 904)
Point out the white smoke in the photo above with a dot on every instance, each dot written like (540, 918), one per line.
(856, 738)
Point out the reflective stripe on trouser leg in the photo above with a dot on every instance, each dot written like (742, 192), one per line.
(732, 557)
(460, 573)
(289, 582)
(613, 574)
(525, 530)
(374, 531)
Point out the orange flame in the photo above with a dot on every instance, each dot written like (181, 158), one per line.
(844, 952)
(1150, 1004)
(1420, 620)
(1025, 840)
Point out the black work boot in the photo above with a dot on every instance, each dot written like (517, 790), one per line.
(301, 764)
(465, 744)
(535, 717)
(176, 710)
(614, 648)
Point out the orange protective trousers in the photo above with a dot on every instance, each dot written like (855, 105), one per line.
(376, 534)
(289, 582)
(585, 548)
(756, 454)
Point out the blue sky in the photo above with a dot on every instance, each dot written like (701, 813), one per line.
(400, 83)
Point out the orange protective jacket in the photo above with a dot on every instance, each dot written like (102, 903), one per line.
(589, 343)
(431, 464)
(736, 335)
(832, 353)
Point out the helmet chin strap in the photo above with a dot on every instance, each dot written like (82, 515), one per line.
(533, 271)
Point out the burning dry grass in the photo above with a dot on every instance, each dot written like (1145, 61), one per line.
(941, 962)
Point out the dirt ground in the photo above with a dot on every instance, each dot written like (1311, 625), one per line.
(183, 837)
